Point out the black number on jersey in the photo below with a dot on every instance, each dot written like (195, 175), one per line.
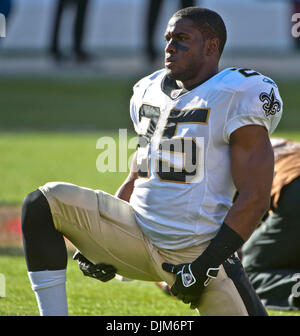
(151, 114)
(171, 145)
(246, 72)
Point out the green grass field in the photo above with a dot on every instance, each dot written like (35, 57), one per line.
(44, 137)
(30, 159)
(89, 297)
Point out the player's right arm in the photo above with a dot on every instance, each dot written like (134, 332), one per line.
(126, 189)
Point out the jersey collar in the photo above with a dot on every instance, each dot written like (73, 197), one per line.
(173, 91)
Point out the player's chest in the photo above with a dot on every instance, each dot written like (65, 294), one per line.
(188, 115)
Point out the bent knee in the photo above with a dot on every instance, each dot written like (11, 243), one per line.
(32, 200)
(35, 204)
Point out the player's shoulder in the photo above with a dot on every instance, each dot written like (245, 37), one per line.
(245, 80)
(148, 80)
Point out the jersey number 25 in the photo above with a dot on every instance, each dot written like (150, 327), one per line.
(173, 156)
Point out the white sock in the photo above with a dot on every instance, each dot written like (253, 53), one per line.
(50, 292)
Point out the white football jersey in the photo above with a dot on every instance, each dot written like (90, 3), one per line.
(185, 187)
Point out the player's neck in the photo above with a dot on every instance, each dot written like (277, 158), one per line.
(198, 80)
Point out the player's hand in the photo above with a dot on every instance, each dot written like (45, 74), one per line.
(191, 280)
(102, 272)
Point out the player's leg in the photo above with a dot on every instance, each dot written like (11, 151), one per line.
(79, 29)
(55, 38)
(275, 288)
(101, 226)
(45, 254)
(151, 23)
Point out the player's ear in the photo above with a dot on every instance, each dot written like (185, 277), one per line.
(212, 46)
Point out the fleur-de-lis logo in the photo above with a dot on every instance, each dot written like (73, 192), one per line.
(271, 104)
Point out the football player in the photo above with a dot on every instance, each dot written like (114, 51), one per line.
(203, 134)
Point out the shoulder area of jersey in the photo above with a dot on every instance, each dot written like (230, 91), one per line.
(144, 82)
(242, 79)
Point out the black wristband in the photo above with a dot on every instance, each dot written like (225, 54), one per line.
(226, 242)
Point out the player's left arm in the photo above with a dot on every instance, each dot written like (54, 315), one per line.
(252, 163)
(252, 167)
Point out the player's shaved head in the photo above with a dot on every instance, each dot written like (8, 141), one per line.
(210, 23)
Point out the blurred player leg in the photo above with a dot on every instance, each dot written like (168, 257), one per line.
(79, 30)
(231, 294)
(152, 18)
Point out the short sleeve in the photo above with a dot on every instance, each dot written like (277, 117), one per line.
(139, 91)
(254, 103)
(134, 113)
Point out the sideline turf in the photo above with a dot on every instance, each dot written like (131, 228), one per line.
(30, 159)
(89, 297)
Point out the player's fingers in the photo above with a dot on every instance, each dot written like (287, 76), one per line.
(85, 272)
(103, 274)
(105, 269)
(179, 296)
(194, 304)
(108, 277)
(184, 298)
(109, 269)
(173, 291)
(83, 266)
(80, 258)
(170, 268)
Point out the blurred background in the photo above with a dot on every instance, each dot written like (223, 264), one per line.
(122, 36)
(66, 73)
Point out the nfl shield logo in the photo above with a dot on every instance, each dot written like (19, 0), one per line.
(187, 277)
(175, 93)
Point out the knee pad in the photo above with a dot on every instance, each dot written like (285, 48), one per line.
(44, 246)
(35, 207)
